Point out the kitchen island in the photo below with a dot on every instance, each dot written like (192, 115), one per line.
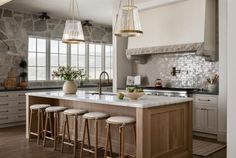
(163, 124)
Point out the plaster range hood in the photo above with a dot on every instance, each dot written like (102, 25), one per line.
(207, 48)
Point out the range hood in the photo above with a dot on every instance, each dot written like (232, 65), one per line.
(208, 47)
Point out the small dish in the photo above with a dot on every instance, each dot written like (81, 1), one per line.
(134, 95)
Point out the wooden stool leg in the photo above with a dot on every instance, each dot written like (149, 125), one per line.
(55, 130)
(107, 140)
(135, 139)
(75, 134)
(110, 141)
(83, 139)
(88, 134)
(42, 123)
(68, 131)
(30, 123)
(96, 139)
(63, 134)
(38, 127)
(45, 129)
(50, 124)
(121, 131)
(58, 127)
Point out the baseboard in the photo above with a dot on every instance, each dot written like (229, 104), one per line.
(205, 135)
(221, 136)
(12, 124)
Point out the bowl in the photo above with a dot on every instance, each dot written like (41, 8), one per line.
(134, 95)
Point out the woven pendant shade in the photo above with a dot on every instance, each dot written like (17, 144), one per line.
(128, 22)
(73, 31)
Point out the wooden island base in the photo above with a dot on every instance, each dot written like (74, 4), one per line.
(162, 131)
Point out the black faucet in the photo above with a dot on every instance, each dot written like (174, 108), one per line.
(100, 81)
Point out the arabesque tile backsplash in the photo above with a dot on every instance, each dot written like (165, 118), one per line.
(194, 70)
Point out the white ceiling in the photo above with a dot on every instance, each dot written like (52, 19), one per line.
(99, 11)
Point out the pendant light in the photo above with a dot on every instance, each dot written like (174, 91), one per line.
(128, 22)
(73, 32)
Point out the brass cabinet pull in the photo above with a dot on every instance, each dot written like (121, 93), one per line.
(4, 111)
(3, 96)
(4, 118)
(204, 99)
(21, 116)
(4, 104)
(21, 103)
(21, 109)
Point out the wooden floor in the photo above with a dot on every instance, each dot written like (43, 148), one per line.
(14, 145)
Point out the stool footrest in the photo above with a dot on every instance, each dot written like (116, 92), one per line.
(92, 150)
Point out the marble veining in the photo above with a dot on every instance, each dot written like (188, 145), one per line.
(111, 99)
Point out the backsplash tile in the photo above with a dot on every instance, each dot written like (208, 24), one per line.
(194, 70)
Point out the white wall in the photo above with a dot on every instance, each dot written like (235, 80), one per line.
(231, 52)
(172, 24)
(222, 107)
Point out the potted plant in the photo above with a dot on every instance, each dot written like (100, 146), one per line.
(69, 75)
(23, 74)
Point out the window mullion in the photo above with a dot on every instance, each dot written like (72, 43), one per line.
(103, 57)
(68, 54)
(87, 59)
(48, 57)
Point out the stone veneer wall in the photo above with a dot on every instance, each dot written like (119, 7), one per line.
(15, 27)
(194, 70)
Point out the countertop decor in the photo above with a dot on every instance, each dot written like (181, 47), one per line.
(68, 74)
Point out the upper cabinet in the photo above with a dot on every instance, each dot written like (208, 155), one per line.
(177, 28)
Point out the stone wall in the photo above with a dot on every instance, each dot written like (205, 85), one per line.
(15, 27)
(194, 70)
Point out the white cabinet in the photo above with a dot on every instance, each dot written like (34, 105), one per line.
(205, 113)
(12, 108)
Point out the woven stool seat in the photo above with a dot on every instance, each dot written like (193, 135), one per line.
(39, 106)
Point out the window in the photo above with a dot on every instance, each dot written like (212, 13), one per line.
(37, 59)
(58, 55)
(46, 55)
(95, 60)
(109, 60)
(78, 56)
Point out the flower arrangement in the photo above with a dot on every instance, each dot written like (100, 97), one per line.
(67, 73)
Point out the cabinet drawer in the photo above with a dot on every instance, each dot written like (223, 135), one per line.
(12, 110)
(4, 104)
(21, 96)
(12, 118)
(4, 96)
(206, 99)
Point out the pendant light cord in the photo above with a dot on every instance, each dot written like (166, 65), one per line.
(73, 9)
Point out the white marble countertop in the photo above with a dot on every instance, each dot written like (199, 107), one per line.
(147, 101)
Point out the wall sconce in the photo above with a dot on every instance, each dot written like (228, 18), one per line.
(9, 52)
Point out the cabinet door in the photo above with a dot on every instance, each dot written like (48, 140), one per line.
(211, 120)
(198, 118)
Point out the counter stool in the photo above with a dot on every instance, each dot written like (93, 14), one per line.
(73, 113)
(39, 108)
(122, 121)
(55, 110)
(95, 116)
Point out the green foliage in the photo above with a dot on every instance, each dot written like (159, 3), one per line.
(23, 64)
(23, 75)
(67, 73)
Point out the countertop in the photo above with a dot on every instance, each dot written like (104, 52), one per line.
(49, 88)
(111, 99)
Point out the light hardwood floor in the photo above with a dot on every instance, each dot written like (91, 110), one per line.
(14, 145)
